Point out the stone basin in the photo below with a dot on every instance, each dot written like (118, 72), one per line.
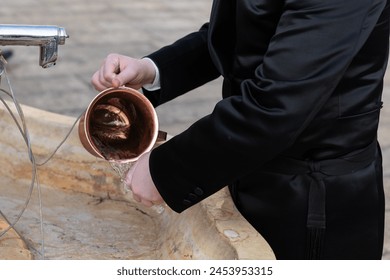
(79, 210)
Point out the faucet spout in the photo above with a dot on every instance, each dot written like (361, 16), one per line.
(47, 37)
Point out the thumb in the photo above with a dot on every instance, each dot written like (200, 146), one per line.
(129, 176)
(118, 76)
(127, 76)
(116, 81)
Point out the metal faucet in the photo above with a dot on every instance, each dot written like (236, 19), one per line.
(47, 37)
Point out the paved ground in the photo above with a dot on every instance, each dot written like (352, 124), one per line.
(97, 27)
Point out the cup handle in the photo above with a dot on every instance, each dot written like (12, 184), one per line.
(161, 136)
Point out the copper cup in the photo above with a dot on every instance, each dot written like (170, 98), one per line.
(120, 124)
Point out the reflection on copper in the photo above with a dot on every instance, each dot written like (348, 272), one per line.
(111, 122)
(120, 124)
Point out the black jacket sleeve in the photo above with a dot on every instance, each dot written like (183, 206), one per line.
(183, 66)
(308, 54)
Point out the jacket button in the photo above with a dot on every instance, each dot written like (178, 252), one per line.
(187, 202)
(198, 191)
(192, 196)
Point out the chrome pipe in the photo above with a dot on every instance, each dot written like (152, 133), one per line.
(47, 37)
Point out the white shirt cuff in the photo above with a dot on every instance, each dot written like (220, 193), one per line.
(156, 82)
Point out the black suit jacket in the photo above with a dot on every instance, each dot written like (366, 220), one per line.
(301, 78)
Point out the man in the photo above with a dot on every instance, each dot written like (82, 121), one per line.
(295, 136)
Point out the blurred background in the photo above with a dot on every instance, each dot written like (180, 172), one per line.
(135, 28)
(97, 28)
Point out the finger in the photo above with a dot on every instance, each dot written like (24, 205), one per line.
(147, 203)
(116, 82)
(137, 198)
(112, 71)
(127, 76)
(97, 83)
(158, 201)
(129, 176)
(107, 72)
(106, 77)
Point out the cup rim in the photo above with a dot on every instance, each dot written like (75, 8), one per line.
(84, 126)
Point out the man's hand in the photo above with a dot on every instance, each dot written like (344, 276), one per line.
(139, 180)
(119, 70)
